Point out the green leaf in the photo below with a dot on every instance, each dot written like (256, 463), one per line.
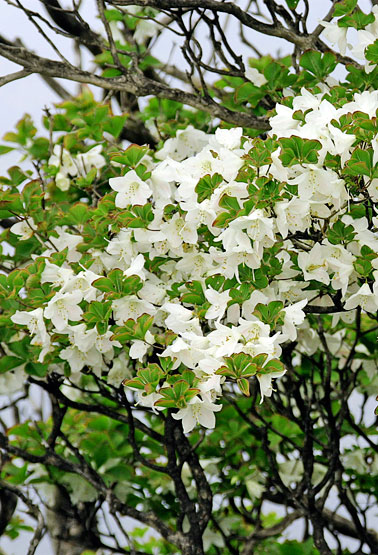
(256, 278)
(40, 149)
(5, 149)
(292, 4)
(261, 152)
(320, 65)
(361, 162)
(248, 92)
(358, 19)
(8, 362)
(78, 214)
(98, 313)
(274, 365)
(241, 365)
(87, 180)
(147, 379)
(111, 72)
(363, 267)
(371, 53)
(133, 329)
(243, 385)
(215, 282)
(113, 15)
(132, 155)
(195, 293)
(270, 313)
(115, 125)
(295, 150)
(344, 7)
(177, 396)
(37, 369)
(340, 233)
(229, 203)
(207, 185)
(138, 216)
(117, 285)
(17, 175)
(223, 219)
(104, 284)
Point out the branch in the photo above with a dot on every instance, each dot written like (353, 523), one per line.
(264, 533)
(275, 30)
(14, 76)
(132, 82)
(34, 511)
(72, 23)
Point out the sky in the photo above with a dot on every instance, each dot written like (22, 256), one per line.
(31, 95)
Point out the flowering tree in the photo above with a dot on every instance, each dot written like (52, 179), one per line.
(198, 308)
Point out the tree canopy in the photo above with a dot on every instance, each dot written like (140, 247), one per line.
(189, 282)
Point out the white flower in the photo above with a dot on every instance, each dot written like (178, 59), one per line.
(131, 189)
(119, 370)
(82, 282)
(265, 380)
(365, 38)
(62, 181)
(283, 124)
(177, 231)
(63, 307)
(26, 228)
(364, 298)
(253, 75)
(136, 268)
(224, 340)
(32, 319)
(229, 138)
(90, 159)
(187, 142)
(188, 350)
(363, 234)
(294, 316)
(62, 159)
(218, 303)
(130, 307)
(59, 276)
(335, 35)
(145, 29)
(197, 412)
(139, 348)
(122, 247)
(36, 325)
(65, 240)
(77, 359)
(292, 215)
(319, 184)
(13, 380)
(181, 320)
(314, 264)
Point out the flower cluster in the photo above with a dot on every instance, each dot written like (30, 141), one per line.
(219, 250)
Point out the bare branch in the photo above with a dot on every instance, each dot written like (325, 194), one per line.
(14, 76)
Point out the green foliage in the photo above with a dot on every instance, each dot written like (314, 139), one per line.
(207, 185)
(296, 150)
(320, 65)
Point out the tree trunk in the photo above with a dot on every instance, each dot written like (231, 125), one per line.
(72, 528)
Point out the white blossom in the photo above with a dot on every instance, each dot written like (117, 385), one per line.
(63, 307)
(197, 412)
(131, 189)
